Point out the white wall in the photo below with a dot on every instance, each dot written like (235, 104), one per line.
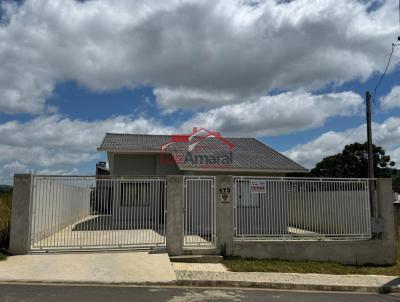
(132, 164)
(329, 212)
(57, 204)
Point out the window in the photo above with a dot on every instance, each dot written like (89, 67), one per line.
(135, 194)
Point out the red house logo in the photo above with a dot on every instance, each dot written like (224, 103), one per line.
(201, 148)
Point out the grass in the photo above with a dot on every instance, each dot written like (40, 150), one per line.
(5, 216)
(3, 256)
(237, 264)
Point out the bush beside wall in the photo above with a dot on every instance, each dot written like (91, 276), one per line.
(5, 216)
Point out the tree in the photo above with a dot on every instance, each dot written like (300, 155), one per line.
(396, 184)
(353, 162)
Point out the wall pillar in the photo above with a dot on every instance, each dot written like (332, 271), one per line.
(175, 215)
(386, 211)
(224, 201)
(20, 215)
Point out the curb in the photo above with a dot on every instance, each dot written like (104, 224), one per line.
(288, 286)
(86, 283)
(221, 283)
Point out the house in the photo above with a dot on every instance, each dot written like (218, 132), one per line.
(201, 152)
(218, 202)
(101, 168)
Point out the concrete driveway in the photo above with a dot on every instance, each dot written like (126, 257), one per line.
(112, 267)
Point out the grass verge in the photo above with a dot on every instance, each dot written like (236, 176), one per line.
(282, 266)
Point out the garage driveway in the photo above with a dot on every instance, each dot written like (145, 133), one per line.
(112, 267)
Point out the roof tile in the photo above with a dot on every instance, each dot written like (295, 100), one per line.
(248, 153)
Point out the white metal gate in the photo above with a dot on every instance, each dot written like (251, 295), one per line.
(199, 218)
(77, 212)
(293, 208)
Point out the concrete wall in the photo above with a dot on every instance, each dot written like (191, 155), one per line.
(56, 205)
(380, 250)
(346, 252)
(175, 215)
(20, 215)
(131, 164)
(224, 215)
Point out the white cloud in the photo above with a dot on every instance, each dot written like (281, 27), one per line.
(55, 143)
(386, 134)
(172, 99)
(206, 51)
(392, 100)
(279, 114)
(395, 155)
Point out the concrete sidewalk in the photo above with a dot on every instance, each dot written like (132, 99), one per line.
(316, 282)
(142, 268)
(99, 268)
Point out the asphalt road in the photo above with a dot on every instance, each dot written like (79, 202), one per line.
(64, 293)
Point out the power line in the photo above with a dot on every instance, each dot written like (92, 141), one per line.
(394, 45)
(386, 68)
(349, 135)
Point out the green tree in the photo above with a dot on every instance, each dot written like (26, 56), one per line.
(353, 162)
(396, 183)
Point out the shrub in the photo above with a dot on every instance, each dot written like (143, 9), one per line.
(5, 217)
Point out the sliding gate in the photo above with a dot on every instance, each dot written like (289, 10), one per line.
(73, 212)
(199, 218)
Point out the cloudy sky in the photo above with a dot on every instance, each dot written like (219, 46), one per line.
(291, 73)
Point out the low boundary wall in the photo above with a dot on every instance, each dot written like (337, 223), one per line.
(379, 250)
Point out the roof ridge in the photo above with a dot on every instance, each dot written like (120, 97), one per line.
(138, 134)
(144, 134)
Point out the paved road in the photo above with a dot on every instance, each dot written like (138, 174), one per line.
(62, 293)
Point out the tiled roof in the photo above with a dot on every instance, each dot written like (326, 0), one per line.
(248, 153)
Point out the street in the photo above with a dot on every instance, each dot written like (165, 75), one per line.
(67, 293)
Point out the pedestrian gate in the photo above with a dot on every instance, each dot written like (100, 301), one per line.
(199, 218)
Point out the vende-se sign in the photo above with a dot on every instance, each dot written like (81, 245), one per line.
(258, 186)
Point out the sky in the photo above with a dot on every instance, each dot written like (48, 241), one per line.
(291, 73)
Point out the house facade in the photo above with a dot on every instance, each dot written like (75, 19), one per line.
(200, 153)
(202, 193)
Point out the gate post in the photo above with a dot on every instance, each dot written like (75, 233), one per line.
(21, 215)
(224, 200)
(386, 209)
(174, 215)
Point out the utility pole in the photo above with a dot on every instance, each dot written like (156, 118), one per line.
(371, 175)
(369, 136)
